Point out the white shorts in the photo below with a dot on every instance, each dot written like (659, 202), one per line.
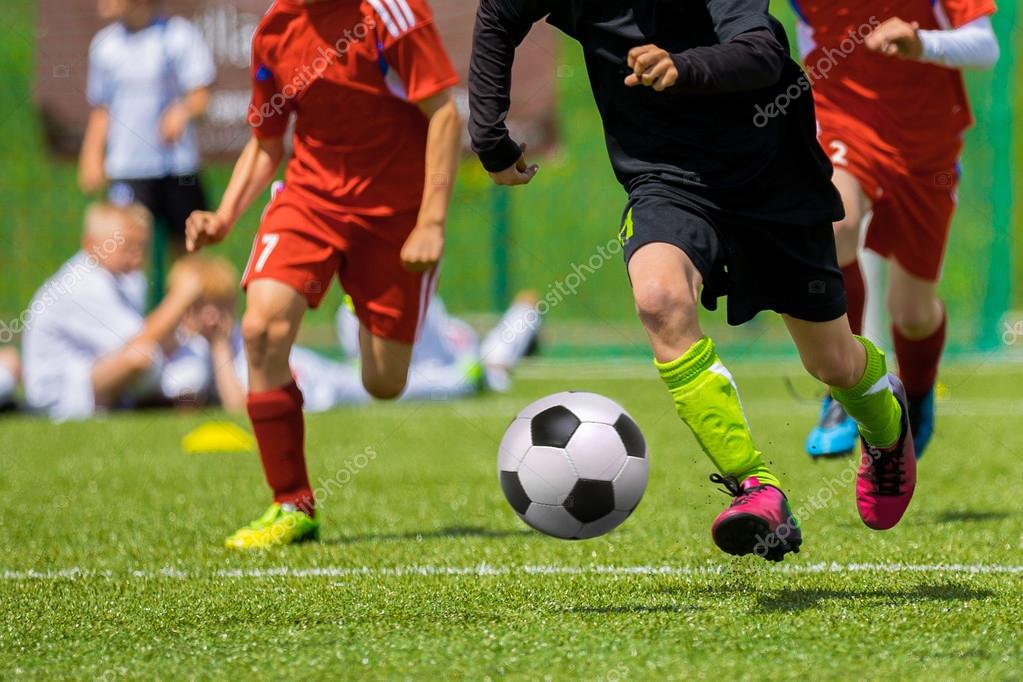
(67, 393)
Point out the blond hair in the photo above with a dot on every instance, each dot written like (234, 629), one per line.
(104, 219)
(219, 278)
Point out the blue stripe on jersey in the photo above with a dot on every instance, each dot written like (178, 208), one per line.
(381, 62)
(799, 12)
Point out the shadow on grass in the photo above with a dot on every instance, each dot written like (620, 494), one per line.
(801, 600)
(438, 534)
(633, 608)
(966, 516)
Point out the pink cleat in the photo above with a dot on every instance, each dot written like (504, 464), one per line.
(758, 521)
(887, 478)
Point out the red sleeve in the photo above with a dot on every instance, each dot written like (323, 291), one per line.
(270, 107)
(413, 48)
(962, 12)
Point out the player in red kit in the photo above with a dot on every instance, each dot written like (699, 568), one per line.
(891, 111)
(376, 145)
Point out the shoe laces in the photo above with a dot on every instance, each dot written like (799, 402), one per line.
(734, 489)
(886, 466)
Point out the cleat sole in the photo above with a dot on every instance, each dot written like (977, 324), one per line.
(744, 534)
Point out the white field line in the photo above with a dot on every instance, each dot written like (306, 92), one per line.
(480, 570)
(633, 368)
(506, 407)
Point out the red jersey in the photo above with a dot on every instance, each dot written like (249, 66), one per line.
(352, 72)
(917, 110)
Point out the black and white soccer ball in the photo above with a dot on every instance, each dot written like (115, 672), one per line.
(573, 465)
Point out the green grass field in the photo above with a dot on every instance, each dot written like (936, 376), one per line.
(111, 566)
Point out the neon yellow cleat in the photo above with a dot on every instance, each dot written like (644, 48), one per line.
(279, 525)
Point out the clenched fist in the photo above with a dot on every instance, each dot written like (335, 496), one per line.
(423, 248)
(204, 227)
(653, 67)
(896, 38)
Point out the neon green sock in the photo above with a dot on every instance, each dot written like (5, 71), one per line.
(871, 402)
(707, 400)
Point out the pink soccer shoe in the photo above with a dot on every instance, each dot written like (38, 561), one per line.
(758, 521)
(887, 478)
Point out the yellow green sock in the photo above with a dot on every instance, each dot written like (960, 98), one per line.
(707, 400)
(871, 402)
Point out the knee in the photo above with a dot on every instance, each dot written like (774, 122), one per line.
(384, 387)
(833, 367)
(660, 302)
(266, 336)
(915, 318)
(847, 236)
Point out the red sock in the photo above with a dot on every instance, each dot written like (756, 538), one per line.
(855, 295)
(280, 431)
(918, 360)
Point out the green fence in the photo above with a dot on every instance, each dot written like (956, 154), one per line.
(554, 236)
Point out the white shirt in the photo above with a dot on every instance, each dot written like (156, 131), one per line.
(135, 76)
(80, 314)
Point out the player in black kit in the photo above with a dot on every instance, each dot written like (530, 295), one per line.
(723, 200)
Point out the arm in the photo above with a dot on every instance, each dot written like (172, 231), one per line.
(501, 25)
(91, 174)
(232, 393)
(177, 117)
(114, 373)
(747, 56)
(424, 246)
(194, 68)
(253, 172)
(750, 61)
(971, 46)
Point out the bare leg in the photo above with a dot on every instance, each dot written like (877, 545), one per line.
(272, 318)
(915, 307)
(385, 365)
(857, 206)
(828, 350)
(666, 287)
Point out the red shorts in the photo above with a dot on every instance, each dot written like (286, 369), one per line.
(303, 246)
(912, 211)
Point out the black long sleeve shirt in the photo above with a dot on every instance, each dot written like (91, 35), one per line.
(714, 137)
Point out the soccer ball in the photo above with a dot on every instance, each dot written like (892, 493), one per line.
(573, 465)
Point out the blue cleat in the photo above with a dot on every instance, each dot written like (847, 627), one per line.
(921, 421)
(835, 435)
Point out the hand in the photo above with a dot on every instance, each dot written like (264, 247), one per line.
(174, 122)
(204, 227)
(653, 67)
(896, 38)
(91, 177)
(215, 323)
(519, 174)
(423, 248)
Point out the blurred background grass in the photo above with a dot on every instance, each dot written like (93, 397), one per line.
(558, 222)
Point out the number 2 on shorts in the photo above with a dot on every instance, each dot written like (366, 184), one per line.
(838, 153)
(269, 244)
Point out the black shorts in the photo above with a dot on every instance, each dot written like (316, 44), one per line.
(758, 265)
(170, 199)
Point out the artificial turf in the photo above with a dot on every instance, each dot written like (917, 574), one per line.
(111, 564)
